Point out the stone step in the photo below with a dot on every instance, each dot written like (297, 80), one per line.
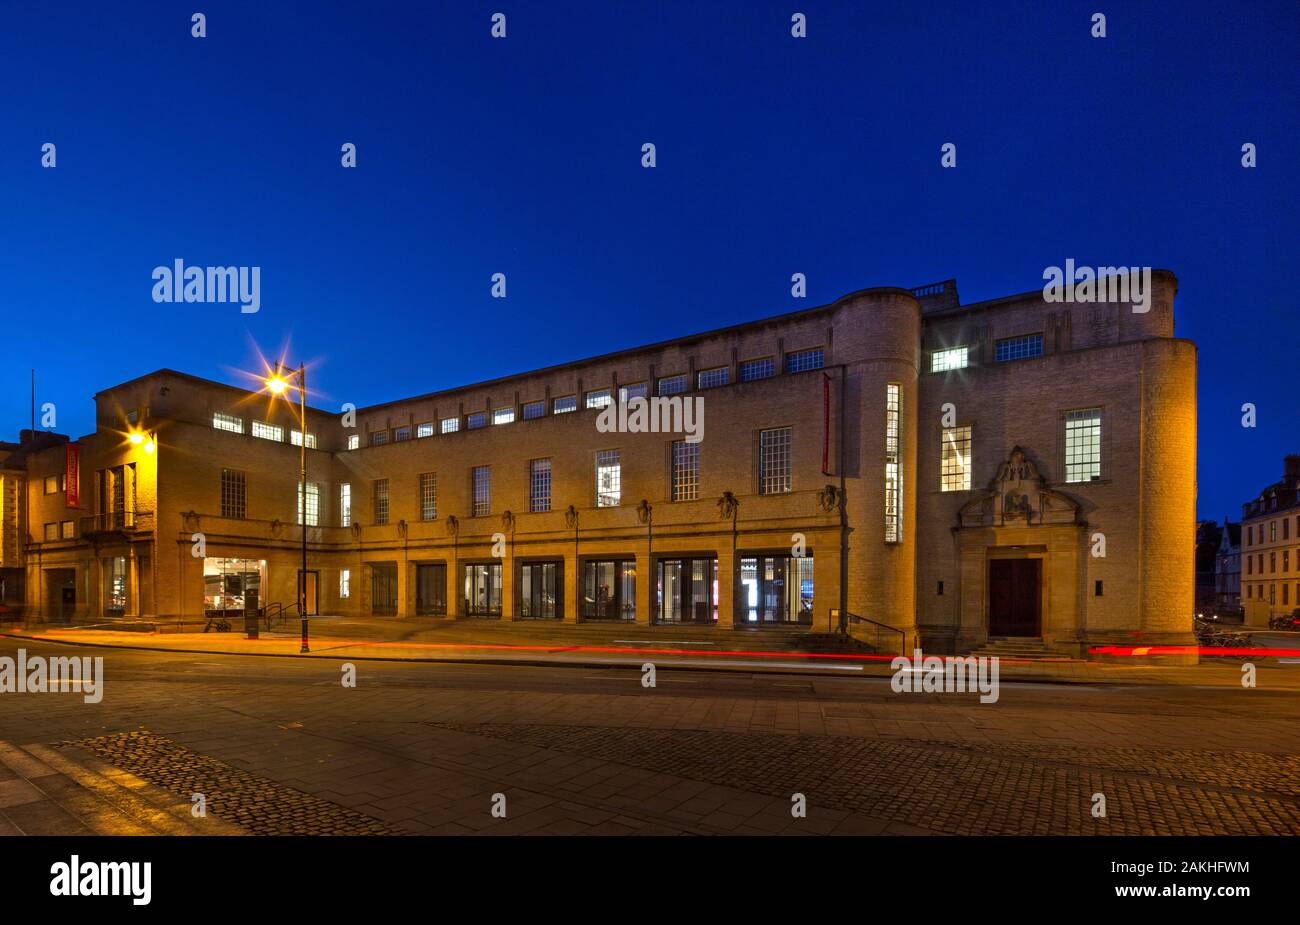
(104, 799)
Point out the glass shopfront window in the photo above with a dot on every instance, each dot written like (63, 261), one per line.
(775, 589)
(115, 586)
(609, 589)
(541, 590)
(483, 590)
(431, 588)
(225, 581)
(687, 591)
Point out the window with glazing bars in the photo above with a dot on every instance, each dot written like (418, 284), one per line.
(313, 504)
(1083, 445)
(635, 390)
(954, 460)
(381, 501)
(774, 461)
(232, 493)
(450, 425)
(757, 369)
(354, 441)
(228, 422)
(565, 404)
(401, 434)
(428, 496)
(893, 463)
(534, 409)
(952, 358)
(804, 360)
(267, 431)
(686, 471)
(476, 420)
(712, 378)
(609, 478)
(503, 416)
(345, 505)
(423, 430)
(481, 490)
(1019, 348)
(598, 398)
(295, 437)
(379, 438)
(672, 385)
(539, 486)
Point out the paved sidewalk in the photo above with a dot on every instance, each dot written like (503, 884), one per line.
(700, 648)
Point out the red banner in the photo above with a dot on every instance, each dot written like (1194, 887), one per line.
(70, 474)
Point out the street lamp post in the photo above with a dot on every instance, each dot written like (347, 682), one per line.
(278, 386)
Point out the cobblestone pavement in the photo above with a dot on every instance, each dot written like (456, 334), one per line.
(962, 789)
(260, 805)
(424, 749)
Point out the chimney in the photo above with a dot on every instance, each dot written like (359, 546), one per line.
(1291, 471)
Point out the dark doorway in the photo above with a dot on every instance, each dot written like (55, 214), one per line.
(383, 588)
(431, 589)
(1014, 597)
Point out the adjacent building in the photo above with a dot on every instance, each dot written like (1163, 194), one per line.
(943, 473)
(1270, 548)
(1227, 569)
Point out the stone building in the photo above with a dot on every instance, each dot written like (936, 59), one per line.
(1227, 569)
(944, 473)
(1270, 548)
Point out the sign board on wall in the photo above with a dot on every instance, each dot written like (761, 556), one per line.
(70, 473)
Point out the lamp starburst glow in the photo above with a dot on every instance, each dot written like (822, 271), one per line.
(277, 384)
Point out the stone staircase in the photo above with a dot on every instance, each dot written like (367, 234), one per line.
(66, 791)
(1014, 647)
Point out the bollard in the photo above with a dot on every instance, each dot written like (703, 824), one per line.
(250, 614)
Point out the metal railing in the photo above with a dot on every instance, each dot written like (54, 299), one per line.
(277, 610)
(117, 522)
(880, 636)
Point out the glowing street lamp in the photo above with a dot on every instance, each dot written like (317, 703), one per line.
(279, 384)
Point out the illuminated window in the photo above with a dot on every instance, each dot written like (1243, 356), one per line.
(539, 485)
(481, 485)
(804, 360)
(267, 431)
(345, 583)
(67, 531)
(51, 532)
(565, 404)
(295, 437)
(381, 501)
(423, 430)
(893, 463)
(952, 358)
(598, 398)
(757, 369)
(313, 504)
(228, 422)
(354, 441)
(1083, 445)
(712, 378)
(232, 494)
(672, 385)
(609, 478)
(954, 462)
(345, 505)
(428, 496)
(503, 416)
(1019, 348)
(774, 461)
(450, 425)
(686, 471)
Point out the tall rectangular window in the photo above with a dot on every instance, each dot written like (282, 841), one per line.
(428, 496)
(345, 583)
(1019, 348)
(712, 378)
(354, 441)
(268, 431)
(952, 358)
(1083, 445)
(954, 460)
(534, 409)
(481, 485)
(450, 425)
(686, 471)
(757, 369)
(232, 494)
(893, 463)
(345, 505)
(804, 360)
(539, 486)
(295, 437)
(313, 504)
(774, 461)
(598, 398)
(228, 422)
(381, 501)
(672, 385)
(565, 404)
(609, 478)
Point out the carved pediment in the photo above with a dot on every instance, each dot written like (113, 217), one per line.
(1018, 495)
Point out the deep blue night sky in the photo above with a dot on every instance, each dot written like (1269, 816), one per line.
(522, 156)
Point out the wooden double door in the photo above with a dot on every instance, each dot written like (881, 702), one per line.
(1015, 597)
